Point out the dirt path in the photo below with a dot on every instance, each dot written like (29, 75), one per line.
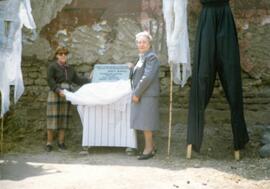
(111, 168)
(30, 167)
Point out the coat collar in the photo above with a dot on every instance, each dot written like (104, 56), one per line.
(147, 53)
(61, 65)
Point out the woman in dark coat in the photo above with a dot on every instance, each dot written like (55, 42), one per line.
(60, 76)
(216, 51)
(145, 93)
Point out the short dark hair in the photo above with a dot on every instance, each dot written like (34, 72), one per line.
(60, 50)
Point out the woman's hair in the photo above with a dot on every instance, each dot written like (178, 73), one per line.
(144, 34)
(60, 50)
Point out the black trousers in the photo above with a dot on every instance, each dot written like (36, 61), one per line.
(216, 51)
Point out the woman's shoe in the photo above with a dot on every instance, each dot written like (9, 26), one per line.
(130, 151)
(147, 156)
(48, 148)
(155, 150)
(61, 146)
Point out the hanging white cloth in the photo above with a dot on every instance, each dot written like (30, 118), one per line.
(175, 16)
(14, 14)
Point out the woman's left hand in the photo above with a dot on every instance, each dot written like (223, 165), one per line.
(135, 99)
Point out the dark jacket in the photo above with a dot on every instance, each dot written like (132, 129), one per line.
(58, 74)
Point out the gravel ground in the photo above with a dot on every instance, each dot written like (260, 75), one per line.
(29, 166)
(113, 169)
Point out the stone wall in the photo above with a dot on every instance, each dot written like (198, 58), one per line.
(100, 31)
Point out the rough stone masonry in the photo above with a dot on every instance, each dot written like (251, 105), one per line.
(101, 31)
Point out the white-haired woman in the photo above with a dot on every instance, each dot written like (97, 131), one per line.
(145, 93)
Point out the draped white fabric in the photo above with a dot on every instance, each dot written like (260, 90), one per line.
(175, 16)
(14, 14)
(104, 109)
(102, 93)
(106, 126)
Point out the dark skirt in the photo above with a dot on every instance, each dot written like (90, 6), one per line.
(58, 111)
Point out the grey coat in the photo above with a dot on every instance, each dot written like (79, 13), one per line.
(145, 85)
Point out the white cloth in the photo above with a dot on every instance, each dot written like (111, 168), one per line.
(175, 16)
(14, 14)
(106, 126)
(104, 109)
(102, 93)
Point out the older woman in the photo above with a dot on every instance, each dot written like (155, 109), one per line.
(60, 77)
(145, 93)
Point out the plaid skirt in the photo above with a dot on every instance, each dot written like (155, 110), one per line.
(58, 111)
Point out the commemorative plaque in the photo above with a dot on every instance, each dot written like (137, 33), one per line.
(110, 72)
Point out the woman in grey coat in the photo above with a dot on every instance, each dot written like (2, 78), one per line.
(145, 93)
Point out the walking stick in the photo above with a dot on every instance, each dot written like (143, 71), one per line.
(170, 111)
(2, 135)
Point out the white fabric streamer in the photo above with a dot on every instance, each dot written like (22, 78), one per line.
(175, 16)
(117, 94)
(14, 14)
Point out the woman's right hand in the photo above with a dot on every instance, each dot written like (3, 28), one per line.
(61, 93)
(135, 99)
(130, 65)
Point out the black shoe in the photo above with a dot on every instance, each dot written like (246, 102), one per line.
(62, 146)
(130, 151)
(146, 156)
(154, 150)
(48, 148)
